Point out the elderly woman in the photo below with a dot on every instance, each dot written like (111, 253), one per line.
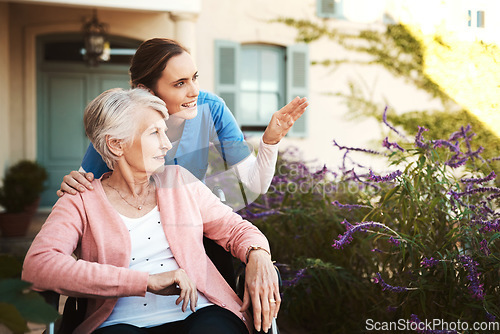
(137, 238)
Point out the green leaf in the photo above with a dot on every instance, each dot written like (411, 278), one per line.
(389, 194)
(30, 305)
(12, 319)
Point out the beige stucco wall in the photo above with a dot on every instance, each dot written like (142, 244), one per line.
(247, 21)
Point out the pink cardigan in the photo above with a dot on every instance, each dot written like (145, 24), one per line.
(88, 226)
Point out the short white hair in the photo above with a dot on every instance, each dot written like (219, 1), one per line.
(114, 114)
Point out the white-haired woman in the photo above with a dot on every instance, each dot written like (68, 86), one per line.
(137, 238)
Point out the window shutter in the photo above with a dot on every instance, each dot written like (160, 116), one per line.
(297, 82)
(480, 19)
(227, 54)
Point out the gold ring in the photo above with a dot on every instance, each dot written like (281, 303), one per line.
(271, 300)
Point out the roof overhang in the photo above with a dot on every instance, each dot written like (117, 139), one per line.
(186, 6)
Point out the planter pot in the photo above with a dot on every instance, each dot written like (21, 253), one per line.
(33, 207)
(15, 224)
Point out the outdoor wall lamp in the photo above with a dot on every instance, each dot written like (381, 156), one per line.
(95, 41)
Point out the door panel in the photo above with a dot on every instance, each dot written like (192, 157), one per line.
(109, 81)
(61, 136)
(66, 100)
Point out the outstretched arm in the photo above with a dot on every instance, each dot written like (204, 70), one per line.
(257, 173)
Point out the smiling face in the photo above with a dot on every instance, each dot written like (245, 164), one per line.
(150, 144)
(178, 86)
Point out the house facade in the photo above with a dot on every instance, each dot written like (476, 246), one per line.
(254, 64)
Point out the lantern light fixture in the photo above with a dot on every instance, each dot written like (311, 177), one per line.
(95, 41)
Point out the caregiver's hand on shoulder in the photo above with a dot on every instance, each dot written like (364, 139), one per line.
(76, 181)
(261, 289)
(283, 119)
(175, 282)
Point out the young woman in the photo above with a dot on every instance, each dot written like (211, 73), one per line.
(137, 237)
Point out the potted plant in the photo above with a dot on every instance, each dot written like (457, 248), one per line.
(20, 196)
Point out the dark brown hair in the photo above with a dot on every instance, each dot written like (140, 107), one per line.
(150, 60)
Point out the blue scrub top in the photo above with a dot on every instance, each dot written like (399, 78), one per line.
(214, 124)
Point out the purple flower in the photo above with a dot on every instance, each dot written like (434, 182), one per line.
(320, 173)
(394, 241)
(442, 142)
(386, 178)
(419, 138)
(485, 209)
(490, 317)
(475, 191)
(356, 149)
(261, 214)
(475, 154)
(299, 275)
(346, 238)
(384, 119)
(462, 133)
(429, 262)
(493, 159)
(359, 179)
(350, 206)
(475, 287)
(484, 247)
(491, 176)
(387, 144)
(378, 280)
(493, 196)
(456, 162)
(487, 226)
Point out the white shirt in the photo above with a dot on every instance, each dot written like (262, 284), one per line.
(150, 253)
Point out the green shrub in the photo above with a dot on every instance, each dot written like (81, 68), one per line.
(22, 185)
(419, 242)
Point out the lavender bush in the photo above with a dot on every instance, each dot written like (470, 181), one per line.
(418, 241)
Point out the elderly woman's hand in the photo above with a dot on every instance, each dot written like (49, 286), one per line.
(175, 282)
(283, 119)
(261, 289)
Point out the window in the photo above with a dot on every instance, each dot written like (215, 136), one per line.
(256, 80)
(262, 84)
(330, 8)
